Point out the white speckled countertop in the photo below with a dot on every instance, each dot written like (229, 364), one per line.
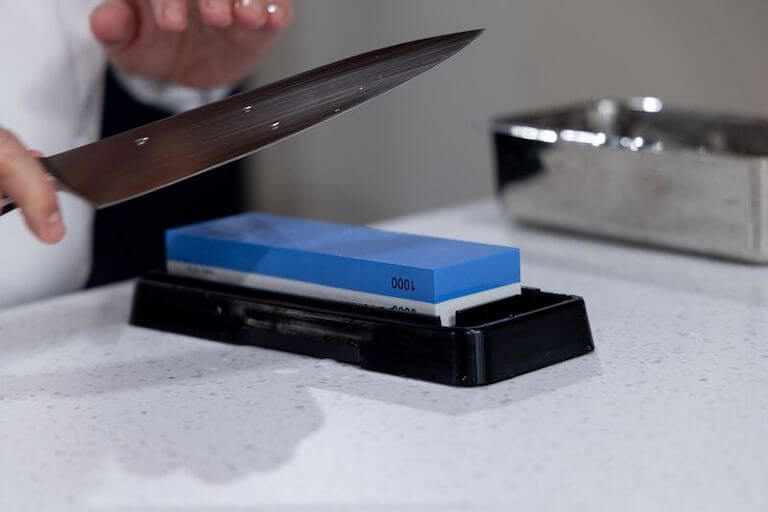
(670, 413)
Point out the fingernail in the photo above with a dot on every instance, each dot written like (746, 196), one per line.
(53, 229)
(174, 14)
(54, 218)
(217, 5)
(252, 13)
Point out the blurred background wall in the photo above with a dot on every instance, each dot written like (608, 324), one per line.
(426, 144)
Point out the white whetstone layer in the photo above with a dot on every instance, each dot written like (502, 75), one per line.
(446, 310)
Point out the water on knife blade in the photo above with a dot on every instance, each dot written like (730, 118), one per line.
(159, 154)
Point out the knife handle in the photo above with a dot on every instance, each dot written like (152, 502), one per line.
(6, 205)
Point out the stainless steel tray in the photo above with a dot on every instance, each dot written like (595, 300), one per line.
(639, 170)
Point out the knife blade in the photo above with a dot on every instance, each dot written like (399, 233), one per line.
(145, 159)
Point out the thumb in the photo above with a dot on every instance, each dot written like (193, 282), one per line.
(114, 24)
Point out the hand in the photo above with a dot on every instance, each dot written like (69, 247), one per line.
(22, 178)
(196, 43)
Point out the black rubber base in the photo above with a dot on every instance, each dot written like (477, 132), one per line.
(490, 343)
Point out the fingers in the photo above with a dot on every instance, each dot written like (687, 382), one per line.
(217, 13)
(114, 23)
(280, 14)
(251, 14)
(22, 179)
(269, 14)
(171, 15)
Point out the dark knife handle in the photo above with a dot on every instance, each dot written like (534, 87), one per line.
(6, 203)
(6, 206)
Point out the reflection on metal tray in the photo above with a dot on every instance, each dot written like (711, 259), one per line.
(639, 170)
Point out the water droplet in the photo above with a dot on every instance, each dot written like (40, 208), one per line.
(276, 125)
(272, 8)
(248, 109)
(361, 89)
(337, 110)
(285, 371)
(141, 141)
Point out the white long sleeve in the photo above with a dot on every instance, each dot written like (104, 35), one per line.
(170, 97)
(51, 95)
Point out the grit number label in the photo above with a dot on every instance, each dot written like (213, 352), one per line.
(403, 309)
(398, 283)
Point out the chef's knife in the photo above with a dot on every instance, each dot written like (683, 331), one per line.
(159, 154)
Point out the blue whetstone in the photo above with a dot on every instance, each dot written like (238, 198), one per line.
(420, 268)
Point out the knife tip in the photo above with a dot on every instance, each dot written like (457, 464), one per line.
(457, 40)
(473, 33)
(468, 35)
